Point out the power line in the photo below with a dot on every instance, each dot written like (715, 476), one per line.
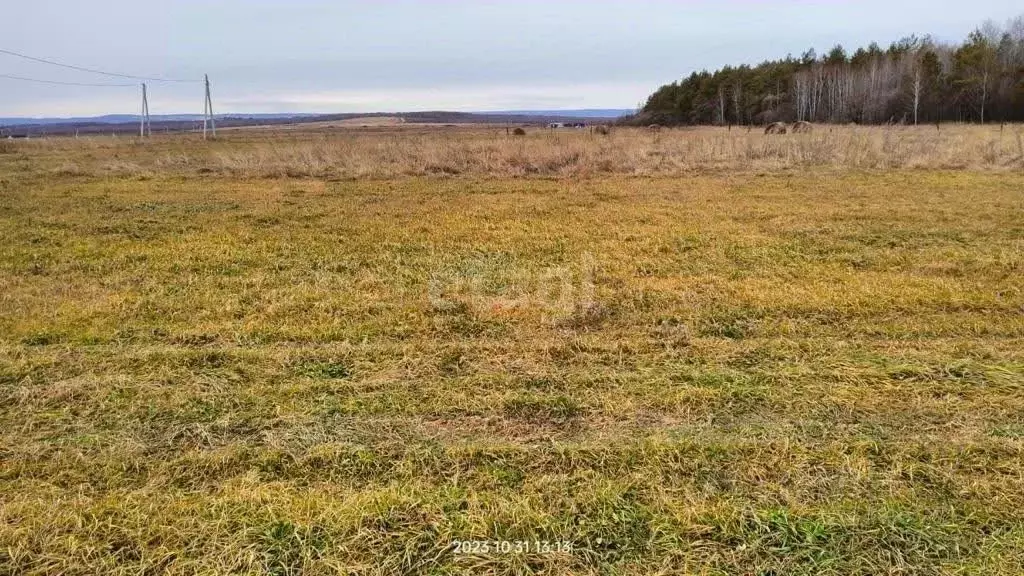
(90, 70)
(59, 83)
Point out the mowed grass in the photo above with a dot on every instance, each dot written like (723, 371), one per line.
(814, 372)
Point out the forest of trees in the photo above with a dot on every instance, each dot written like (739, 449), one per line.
(915, 80)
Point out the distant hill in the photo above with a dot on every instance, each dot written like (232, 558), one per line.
(412, 116)
(128, 124)
(610, 113)
(125, 118)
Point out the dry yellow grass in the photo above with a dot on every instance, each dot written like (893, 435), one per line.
(752, 369)
(419, 151)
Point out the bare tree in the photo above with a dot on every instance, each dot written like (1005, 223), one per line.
(737, 90)
(917, 92)
(721, 105)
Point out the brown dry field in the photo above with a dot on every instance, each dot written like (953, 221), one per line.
(376, 152)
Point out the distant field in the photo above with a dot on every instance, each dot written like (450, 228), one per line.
(360, 122)
(690, 352)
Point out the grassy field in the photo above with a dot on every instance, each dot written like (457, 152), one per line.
(692, 352)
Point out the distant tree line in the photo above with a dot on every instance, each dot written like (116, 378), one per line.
(915, 80)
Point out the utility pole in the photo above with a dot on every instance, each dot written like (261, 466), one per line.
(208, 110)
(145, 129)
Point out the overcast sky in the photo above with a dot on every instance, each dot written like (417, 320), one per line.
(405, 55)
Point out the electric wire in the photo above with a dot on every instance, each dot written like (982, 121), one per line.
(91, 70)
(60, 83)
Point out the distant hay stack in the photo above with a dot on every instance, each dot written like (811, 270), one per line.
(776, 128)
(802, 127)
(519, 132)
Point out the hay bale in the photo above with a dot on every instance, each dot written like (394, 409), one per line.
(802, 127)
(519, 132)
(776, 128)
